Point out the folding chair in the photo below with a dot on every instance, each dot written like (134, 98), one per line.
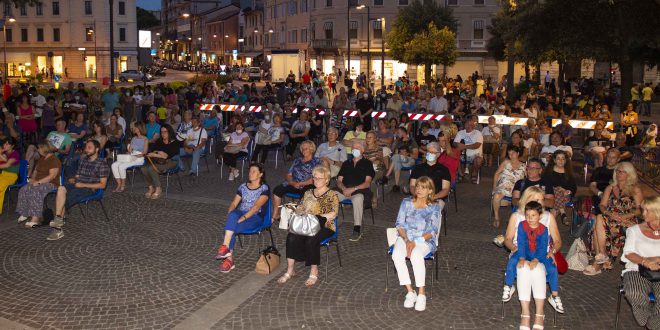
(466, 163)
(432, 257)
(22, 178)
(277, 153)
(97, 196)
(132, 169)
(452, 193)
(367, 206)
(266, 225)
(622, 292)
(326, 242)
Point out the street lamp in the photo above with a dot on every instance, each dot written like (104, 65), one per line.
(368, 41)
(382, 51)
(4, 46)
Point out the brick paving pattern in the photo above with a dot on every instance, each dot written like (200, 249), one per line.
(152, 266)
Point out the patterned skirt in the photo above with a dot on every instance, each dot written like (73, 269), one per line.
(31, 199)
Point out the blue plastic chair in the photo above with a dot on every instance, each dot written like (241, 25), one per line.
(367, 206)
(326, 242)
(431, 256)
(622, 292)
(294, 197)
(452, 193)
(22, 177)
(118, 148)
(265, 226)
(97, 196)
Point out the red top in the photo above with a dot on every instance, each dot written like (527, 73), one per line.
(451, 162)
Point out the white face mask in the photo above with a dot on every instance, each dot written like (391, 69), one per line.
(267, 117)
(239, 131)
(356, 153)
(365, 96)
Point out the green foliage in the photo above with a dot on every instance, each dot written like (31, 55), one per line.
(177, 84)
(415, 19)
(224, 79)
(433, 46)
(145, 19)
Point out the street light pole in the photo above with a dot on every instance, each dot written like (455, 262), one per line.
(382, 52)
(369, 45)
(112, 42)
(347, 69)
(96, 57)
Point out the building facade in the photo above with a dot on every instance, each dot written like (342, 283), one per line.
(70, 38)
(221, 36)
(331, 23)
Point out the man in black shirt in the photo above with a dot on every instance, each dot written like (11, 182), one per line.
(354, 182)
(434, 170)
(596, 146)
(533, 179)
(602, 176)
(365, 103)
(424, 138)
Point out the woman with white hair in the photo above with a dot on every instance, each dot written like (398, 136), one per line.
(620, 209)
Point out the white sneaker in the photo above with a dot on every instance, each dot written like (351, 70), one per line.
(237, 174)
(507, 293)
(22, 218)
(411, 297)
(231, 176)
(420, 304)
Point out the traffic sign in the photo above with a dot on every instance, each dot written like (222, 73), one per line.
(57, 77)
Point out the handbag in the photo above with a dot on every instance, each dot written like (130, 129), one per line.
(232, 149)
(304, 225)
(651, 275)
(268, 261)
(287, 210)
(562, 264)
(577, 257)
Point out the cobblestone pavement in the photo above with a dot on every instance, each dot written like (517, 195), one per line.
(151, 266)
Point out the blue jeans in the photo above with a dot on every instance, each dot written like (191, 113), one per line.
(551, 274)
(233, 225)
(195, 159)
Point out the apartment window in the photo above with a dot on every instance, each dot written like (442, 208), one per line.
(89, 34)
(478, 31)
(312, 30)
(7, 9)
(40, 9)
(378, 29)
(24, 35)
(40, 34)
(353, 30)
(88, 7)
(303, 35)
(328, 30)
(303, 6)
(122, 34)
(293, 36)
(9, 36)
(293, 8)
(452, 2)
(122, 8)
(479, 2)
(328, 3)
(56, 34)
(378, 2)
(23, 10)
(403, 2)
(56, 7)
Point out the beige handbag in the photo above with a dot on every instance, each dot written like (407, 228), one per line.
(268, 261)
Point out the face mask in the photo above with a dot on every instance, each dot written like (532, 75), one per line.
(356, 153)
(239, 131)
(267, 117)
(430, 157)
(365, 96)
(128, 94)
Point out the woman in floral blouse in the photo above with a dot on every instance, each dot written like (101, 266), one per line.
(324, 204)
(417, 224)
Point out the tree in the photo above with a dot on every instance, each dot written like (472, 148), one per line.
(415, 21)
(145, 19)
(433, 46)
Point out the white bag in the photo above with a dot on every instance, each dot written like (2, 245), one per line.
(577, 257)
(392, 235)
(125, 158)
(286, 211)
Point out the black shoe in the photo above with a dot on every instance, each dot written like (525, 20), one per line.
(382, 181)
(395, 188)
(355, 236)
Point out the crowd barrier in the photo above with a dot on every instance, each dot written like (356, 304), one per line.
(583, 124)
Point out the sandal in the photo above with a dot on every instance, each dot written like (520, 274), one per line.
(607, 265)
(156, 195)
(591, 271)
(31, 224)
(538, 326)
(496, 223)
(475, 180)
(523, 327)
(311, 280)
(601, 259)
(286, 277)
(148, 194)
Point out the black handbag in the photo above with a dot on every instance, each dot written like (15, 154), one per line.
(651, 275)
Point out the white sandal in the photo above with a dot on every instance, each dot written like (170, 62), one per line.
(523, 327)
(284, 278)
(311, 280)
(537, 326)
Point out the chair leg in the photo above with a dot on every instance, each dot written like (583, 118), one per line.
(341, 207)
(206, 160)
(618, 307)
(104, 212)
(167, 183)
(338, 255)
(240, 242)
(430, 292)
(327, 258)
(132, 179)
(179, 178)
(502, 310)
(387, 271)
(444, 222)
(455, 201)
(373, 221)
(81, 211)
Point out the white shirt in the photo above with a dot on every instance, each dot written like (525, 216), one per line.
(551, 150)
(488, 131)
(438, 105)
(471, 138)
(638, 243)
(531, 113)
(193, 137)
(38, 101)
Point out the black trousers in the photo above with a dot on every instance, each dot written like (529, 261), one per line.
(307, 248)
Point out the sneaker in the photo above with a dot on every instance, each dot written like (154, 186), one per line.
(237, 174)
(355, 236)
(499, 240)
(555, 302)
(55, 235)
(58, 222)
(231, 176)
(507, 293)
(22, 218)
(227, 265)
(223, 252)
(411, 297)
(420, 303)
(192, 174)
(396, 188)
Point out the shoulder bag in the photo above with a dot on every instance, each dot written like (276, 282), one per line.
(268, 261)
(650, 275)
(304, 225)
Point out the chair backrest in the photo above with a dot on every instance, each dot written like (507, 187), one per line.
(250, 148)
(22, 171)
(437, 234)
(268, 217)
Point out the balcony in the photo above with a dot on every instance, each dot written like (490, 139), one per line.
(328, 43)
(471, 45)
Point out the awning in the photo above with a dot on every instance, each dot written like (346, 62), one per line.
(17, 57)
(251, 54)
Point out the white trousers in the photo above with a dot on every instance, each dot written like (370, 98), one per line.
(119, 168)
(416, 260)
(531, 282)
